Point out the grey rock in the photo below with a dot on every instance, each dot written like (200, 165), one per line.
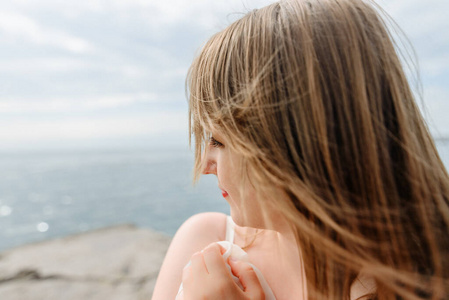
(120, 262)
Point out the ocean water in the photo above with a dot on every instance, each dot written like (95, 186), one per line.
(52, 194)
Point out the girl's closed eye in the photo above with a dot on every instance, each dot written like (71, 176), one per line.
(213, 142)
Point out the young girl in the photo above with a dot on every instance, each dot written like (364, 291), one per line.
(303, 112)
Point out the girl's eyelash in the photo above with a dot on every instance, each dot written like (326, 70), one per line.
(213, 142)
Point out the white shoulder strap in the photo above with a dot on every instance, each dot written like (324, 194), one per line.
(230, 229)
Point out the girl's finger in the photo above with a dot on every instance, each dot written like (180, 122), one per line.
(214, 261)
(248, 279)
(199, 269)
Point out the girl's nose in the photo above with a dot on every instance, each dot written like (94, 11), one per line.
(210, 164)
(210, 167)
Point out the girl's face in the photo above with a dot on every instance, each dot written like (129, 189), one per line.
(221, 161)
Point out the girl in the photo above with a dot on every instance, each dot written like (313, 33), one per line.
(303, 112)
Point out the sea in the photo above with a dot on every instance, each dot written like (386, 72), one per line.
(55, 193)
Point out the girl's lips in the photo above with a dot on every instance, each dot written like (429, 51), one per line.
(224, 193)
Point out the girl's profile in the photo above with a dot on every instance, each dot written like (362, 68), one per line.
(303, 112)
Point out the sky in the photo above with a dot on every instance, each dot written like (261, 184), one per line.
(112, 72)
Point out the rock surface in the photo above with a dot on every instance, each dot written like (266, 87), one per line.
(119, 262)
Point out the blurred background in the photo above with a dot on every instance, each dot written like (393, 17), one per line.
(93, 113)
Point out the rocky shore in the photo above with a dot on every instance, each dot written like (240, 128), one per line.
(119, 262)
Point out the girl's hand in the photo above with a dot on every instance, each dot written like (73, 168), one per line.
(208, 278)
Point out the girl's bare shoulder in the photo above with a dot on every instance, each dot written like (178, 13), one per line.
(205, 227)
(194, 235)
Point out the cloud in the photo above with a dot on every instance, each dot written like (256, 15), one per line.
(159, 15)
(38, 66)
(46, 64)
(89, 58)
(419, 18)
(437, 66)
(16, 27)
(436, 109)
(424, 23)
(79, 104)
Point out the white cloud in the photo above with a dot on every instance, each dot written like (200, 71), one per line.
(437, 65)
(15, 26)
(52, 64)
(437, 109)
(418, 17)
(79, 104)
(157, 14)
(42, 65)
(135, 52)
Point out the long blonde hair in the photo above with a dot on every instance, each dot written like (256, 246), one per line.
(314, 97)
